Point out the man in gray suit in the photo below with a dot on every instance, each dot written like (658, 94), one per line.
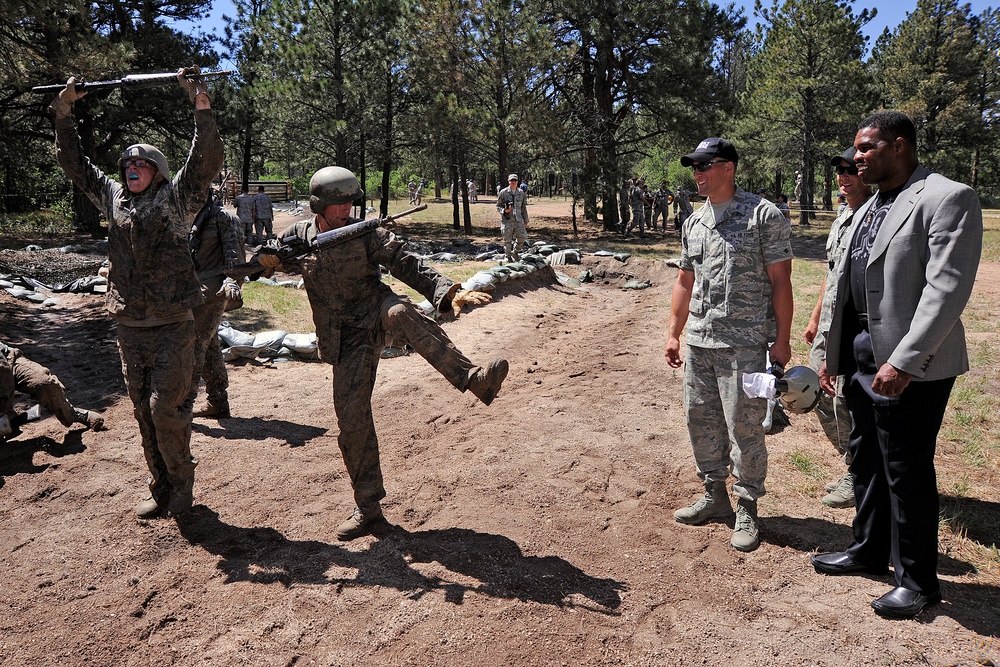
(898, 340)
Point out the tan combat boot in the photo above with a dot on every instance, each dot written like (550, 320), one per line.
(713, 505)
(88, 418)
(746, 536)
(359, 523)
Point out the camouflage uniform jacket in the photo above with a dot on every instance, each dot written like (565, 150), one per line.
(344, 283)
(517, 200)
(151, 275)
(244, 207)
(263, 209)
(836, 246)
(216, 242)
(663, 196)
(731, 298)
(636, 198)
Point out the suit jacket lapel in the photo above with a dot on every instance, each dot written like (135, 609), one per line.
(899, 213)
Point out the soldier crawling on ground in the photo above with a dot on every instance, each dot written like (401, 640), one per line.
(20, 374)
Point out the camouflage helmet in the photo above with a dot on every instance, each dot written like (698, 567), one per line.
(798, 389)
(147, 152)
(333, 185)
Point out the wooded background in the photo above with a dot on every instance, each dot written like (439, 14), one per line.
(559, 91)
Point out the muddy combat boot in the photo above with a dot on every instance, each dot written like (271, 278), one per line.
(149, 508)
(746, 536)
(181, 498)
(91, 420)
(843, 494)
(359, 523)
(713, 505)
(214, 411)
(485, 383)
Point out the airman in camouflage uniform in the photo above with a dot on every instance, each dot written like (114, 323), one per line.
(153, 288)
(623, 205)
(512, 203)
(661, 206)
(682, 209)
(734, 293)
(832, 412)
(638, 205)
(18, 373)
(354, 312)
(216, 244)
(244, 205)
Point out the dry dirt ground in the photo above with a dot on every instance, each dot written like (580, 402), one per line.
(536, 531)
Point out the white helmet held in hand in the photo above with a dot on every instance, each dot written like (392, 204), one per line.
(798, 389)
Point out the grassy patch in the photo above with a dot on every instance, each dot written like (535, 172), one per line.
(802, 462)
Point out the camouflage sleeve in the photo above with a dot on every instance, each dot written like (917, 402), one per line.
(775, 233)
(204, 162)
(393, 255)
(92, 181)
(231, 238)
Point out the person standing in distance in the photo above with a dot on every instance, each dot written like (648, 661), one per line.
(263, 216)
(512, 203)
(734, 294)
(897, 339)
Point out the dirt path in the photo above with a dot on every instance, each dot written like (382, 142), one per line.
(536, 531)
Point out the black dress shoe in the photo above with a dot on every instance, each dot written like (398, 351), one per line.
(839, 562)
(903, 603)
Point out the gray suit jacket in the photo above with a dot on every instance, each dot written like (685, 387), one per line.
(919, 277)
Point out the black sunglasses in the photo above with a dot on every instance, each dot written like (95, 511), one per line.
(705, 166)
(841, 170)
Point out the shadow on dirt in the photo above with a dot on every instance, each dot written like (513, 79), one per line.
(495, 563)
(17, 456)
(255, 428)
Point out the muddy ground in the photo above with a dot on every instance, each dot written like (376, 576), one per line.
(536, 531)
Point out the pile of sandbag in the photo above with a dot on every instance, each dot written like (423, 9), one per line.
(275, 345)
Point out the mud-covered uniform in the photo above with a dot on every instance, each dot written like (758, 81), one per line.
(18, 373)
(730, 322)
(354, 311)
(152, 292)
(216, 243)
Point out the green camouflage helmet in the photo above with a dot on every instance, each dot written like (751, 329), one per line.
(147, 152)
(333, 185)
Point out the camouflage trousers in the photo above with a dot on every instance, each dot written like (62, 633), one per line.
(511, 231)
(157, 364)
(724, 425)
(354, 380)
(263, 230)
(208, 363)
(625, 214)
(37, 381)
(638, 220)
(831, 411)
(657, 212)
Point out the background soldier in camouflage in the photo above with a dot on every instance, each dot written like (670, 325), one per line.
(682, 209)
(734, 293)
(244, 209)
(354, 311)
(512, 203)
(635, 198)
(18, 373)
(624, 197)
(216, 244)
(153, 288)
(661, 206)
(263, 216)
(832, 411)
